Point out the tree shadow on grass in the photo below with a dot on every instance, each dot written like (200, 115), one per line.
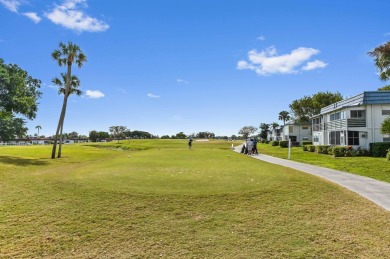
(18, 161)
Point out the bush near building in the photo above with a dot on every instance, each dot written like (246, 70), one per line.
(322, 149)
(379, 149)
(283, 143)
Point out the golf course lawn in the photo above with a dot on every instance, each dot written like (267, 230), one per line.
(156, 198)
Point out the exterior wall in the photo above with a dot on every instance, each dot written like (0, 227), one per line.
(368, 127)
(375, 121)
(298, 132)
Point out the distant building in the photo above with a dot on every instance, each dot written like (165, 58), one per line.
(297, 132)
(275, 134)
(355, 121)
(39, 141)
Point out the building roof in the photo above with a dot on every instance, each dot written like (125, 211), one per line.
(365, 98)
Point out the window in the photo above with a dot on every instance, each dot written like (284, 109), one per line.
(353, 138)
(317, 124)
(316, 139)
(290, 129)
(334, 138)
(305, 138)
(335, 116)
(385, 112)
(358, 114)
(386, 139)
(305, 127)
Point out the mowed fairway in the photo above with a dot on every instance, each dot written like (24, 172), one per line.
(156, 198)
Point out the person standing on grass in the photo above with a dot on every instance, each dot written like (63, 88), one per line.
(190, 143)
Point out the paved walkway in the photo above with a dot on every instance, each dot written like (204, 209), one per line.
(374, 190)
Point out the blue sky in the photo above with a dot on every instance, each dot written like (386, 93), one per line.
(185, 65)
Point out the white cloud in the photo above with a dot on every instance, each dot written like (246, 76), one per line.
(152, 95)
(94, 94)
(181, 81)
(70, 16)
(11, 5)
(314, 65)
(261, 38)
(269, 62)
(33, 16)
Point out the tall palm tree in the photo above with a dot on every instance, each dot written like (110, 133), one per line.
(38, 127)
(74, 84)
(284, 116)
(66, 55)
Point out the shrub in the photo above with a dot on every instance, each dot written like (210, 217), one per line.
(307, 143)
(338, 151)
(311, 148)
(274, 143)
(283, 143)
(360, 152)
(379, 149)
(322, 149)
(388, 155)
(304, 147)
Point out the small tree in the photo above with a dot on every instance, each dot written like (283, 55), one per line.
(93, 135)
(264, 128)
(181, 135)
(385, 126)
(118, 132)
(247, 130)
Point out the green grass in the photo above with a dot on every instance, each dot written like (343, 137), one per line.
(373, 167)
(148, 199)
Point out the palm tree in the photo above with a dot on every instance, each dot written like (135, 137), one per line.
(74, 84)
(284, 116)
(274, 125)
(381, 56)
(38, 127)
(66, 55)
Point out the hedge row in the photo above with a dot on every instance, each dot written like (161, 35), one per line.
(337, 151)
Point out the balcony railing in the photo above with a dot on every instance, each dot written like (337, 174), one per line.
(337, 124)
(353, 123)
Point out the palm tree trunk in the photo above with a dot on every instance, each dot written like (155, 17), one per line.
(53, 153)
(62, 127)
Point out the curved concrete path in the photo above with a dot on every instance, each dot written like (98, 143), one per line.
(374, 190)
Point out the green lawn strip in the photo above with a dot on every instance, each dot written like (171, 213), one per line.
(373, 167)
(172, 202)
